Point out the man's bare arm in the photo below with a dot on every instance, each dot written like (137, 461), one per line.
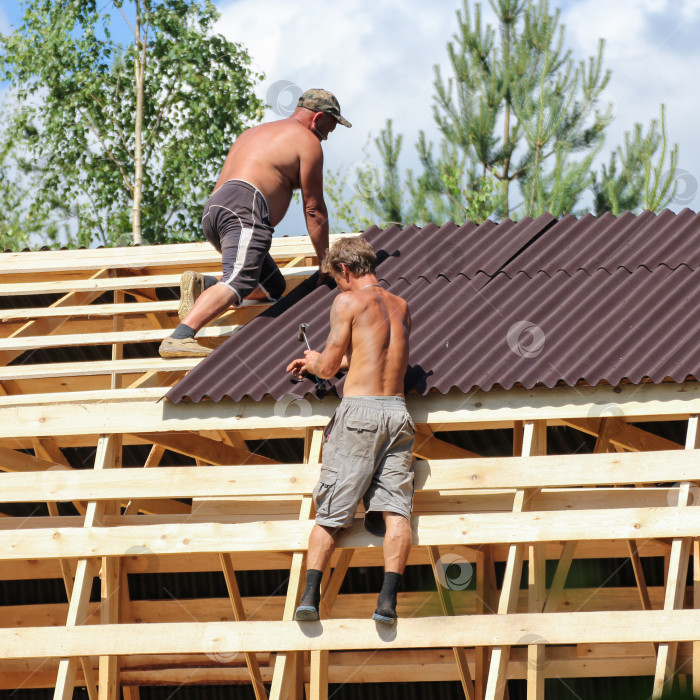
(315, 210)
(326, 364)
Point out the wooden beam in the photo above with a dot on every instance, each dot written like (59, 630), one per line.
(46, 326)
(84, 369)
(41, 480)
(19, 345)
(85, 572)
(288, 636)
(185, 256)
(239, 614)
(270, 608)
(125, 283)
(534, 442)
(428, 446)
(289, 535)
(677, 574)
(624, 435)
(283, 683)
(448, 609)
(212, 451)
(138, 410)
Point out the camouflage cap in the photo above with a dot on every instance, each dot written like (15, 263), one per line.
(322, 101)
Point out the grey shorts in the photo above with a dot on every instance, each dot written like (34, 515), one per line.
(236, 222)
(368, 455)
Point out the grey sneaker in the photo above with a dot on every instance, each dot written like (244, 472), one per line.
(191, 286)
(182, 347)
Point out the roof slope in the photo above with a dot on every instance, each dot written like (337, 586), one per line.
(532, 302)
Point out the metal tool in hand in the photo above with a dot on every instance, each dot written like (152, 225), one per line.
(320, 384)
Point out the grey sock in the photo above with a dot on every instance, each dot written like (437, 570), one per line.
(182, 331)
(210, 281)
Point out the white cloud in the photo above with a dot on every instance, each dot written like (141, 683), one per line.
(377, 56)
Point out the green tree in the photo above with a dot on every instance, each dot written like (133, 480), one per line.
(521, 123)
(128, 138)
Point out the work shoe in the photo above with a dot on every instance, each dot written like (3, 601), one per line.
(182, 347)
(387, 615)
(191, 286)
(305, 613)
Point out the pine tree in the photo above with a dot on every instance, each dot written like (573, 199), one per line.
(521, 123)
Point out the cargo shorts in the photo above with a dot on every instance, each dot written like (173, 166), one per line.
(367, 455)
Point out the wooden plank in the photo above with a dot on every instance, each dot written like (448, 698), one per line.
(448, 609)
(534, 442)
(536, 653)
(556, 590)
(19, 345)
(128, 411)
(42, 478)
(630, 437)
(46, 326)
(83, 369)
(85, 572)
(183, 255)
(270, 608)
(110, 576)
(212, 451)
(676, 577)
(239, 614)
(283, 683)
(429, 446)
(126, 283)
(289, 535)
(636, 561)
(13, 461)
(412, 633)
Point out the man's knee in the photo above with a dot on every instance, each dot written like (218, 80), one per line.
(274, 285)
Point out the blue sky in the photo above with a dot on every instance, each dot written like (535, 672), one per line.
(377, 56)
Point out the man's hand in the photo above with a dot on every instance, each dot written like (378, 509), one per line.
(299, 366)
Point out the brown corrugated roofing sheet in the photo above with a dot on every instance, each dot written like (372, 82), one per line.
(533, 302)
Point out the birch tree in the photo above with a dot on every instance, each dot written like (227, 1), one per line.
(129, 138)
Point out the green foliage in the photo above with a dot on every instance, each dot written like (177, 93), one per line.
(521, 123)
(101, 142)
(637, 182)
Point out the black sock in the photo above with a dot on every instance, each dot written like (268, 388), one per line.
(386, 603)
(312, 592)
(210, 281)
(182, 331)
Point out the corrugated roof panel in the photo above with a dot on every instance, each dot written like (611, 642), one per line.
(610, 242)
(484, 322)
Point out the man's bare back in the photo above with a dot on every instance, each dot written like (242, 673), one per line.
(369, 335)
(271, 157)
(377, 353)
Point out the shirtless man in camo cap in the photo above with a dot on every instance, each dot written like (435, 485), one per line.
(264, 166)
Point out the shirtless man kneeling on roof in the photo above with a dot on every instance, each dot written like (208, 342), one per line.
(264, 166)
(368, 446)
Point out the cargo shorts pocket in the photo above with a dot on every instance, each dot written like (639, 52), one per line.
(323, 491)
(360, 437)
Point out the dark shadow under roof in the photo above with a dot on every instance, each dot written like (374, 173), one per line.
(527, 303)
